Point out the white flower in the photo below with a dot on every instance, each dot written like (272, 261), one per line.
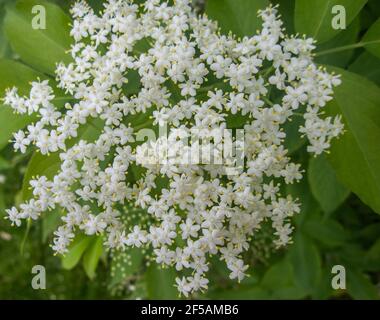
(14, 216)
(93, 225)
(136, 238)
(183, 286)
(21, 141)
(237, 268)
(189, 229)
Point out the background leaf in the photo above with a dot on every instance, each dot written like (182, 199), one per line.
(326, 231)
(344, 38)
(41, 49)
(50, 222)
(355, 157)
(368, 66)
(76, 250)
(92, 256)
(5, 50)
(326, 188)
(360, 287)
(294, 140)
(314, 18)
(253, 293)
(286, 9)
(160, 283)
(306, 263)
(372, 37)
(238, 16)
(279, 281)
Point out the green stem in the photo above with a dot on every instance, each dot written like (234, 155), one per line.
(267, 71)
(268, 101)
(28, 226)
(212, 87)
(64, 98)
(348, 47)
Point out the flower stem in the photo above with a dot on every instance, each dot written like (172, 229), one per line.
(270, 103)
(344, 48)
(28, 226)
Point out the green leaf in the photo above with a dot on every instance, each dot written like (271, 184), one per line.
(360, 287)
(280, 283)
(374, 6)
(244, 293)
(372, 257)
(302, 193)
(326, 189)
(5, 50)
(368, 234)
(328, 232)
(160, 283)
(92, 256)
(133, 85)
(306, 263)
(353, 255)
(293, 140)
(2, 203)
(125, 264)
(372, 39)
(76, 250)
(314, 18)
(4, 164)
(368, 66)
(344, 38)
(48, 165)
(17, 74)
(323, 290)
(238, 16)
(50, 222)
(40, 48)
(355, 156)
(286, 9)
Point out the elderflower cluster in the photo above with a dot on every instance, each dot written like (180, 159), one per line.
(189, 76)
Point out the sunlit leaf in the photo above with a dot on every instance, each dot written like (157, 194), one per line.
(372, 39)
(355, 156)
(306, 262)
(92, 256)
(160, 283)
(40, 48)
(238, 16)
(76, 250)
(324, 185)
(368, 66)
(314, 18)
